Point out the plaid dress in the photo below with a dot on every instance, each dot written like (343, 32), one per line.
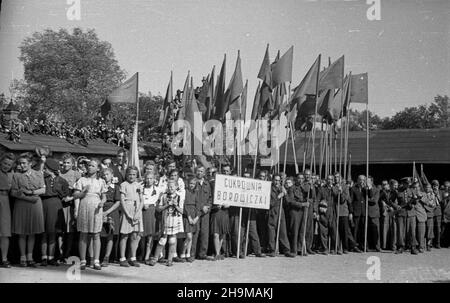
(172, 219)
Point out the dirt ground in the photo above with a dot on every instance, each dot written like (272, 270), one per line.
(427, 267)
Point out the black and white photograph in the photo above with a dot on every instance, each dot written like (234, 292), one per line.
(210, 142)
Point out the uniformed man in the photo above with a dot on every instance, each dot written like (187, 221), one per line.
(421, 215)
(388, 205)
(204, 204)
(445, 233)
(262, 217)
(429, 201)
(406, 218)
(253, 238)
(295, 205)
(437, 214)
(327, 216)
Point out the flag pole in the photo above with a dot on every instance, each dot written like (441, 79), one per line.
(239, 154)
(293, 147)
(367, 175)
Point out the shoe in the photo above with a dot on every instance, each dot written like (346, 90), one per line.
(428, 248)
(345, 251)
(5, 264)
(53, 262)
(169, 263)
(437, 246)
(421, 250)
(289, 255)
(322, 252)
(377, 249)
(124, 263)
(310, 252)
(356, 250)
(23, 264)
(261, 255)
(241, 256)
(272, 254)
(332, 252)
(414, 251)
(134, 263)
(152, 262)
(399, 251)
(162, 260)
(97, 266)
(190, 259)
(179, 260)
(82, 265)
(147, 262)
(210, 258)
(44, 262)
(31, 264)
(339, 253)
(220, 257)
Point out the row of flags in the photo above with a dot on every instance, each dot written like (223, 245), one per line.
(326, 93)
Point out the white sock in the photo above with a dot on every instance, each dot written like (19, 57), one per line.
(50, 258)
(188, 255)
(133, 258)
(44, 257)
(122, 259)
(96, 261)
(183, 256)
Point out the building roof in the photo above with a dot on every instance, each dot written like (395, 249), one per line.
(95, 147)
(386, 146)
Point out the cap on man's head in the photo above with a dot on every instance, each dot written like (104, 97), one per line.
(406, 180)
(435, 183)
(52, 164)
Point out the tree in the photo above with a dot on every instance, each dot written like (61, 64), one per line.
(358, 120)
(67, 75)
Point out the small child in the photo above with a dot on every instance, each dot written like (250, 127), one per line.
(151, 195)
(190, 219)
(171, 206)
(111, 215)
(131, 217)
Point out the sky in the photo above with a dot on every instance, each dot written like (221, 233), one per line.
(406, 52)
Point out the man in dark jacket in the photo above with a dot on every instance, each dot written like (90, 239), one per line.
(388, 203)
(277, 193)
(309, 209)
(204, 202)
(437, 215)
(358, 210)
(406, 218)
(373, 225)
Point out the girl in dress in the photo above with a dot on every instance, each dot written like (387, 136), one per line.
(28, 217)
(56, 188)
(90, 195)
(151, 195)
(190, 219)
(6, 163)
(131, 217)
(71, 175)
(111, 215)
(171, 206)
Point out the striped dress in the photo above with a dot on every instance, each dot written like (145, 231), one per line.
(172, 219)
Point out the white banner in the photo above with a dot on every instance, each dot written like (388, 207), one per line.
(242, 192)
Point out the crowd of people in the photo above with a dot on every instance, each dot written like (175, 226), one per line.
(120, 136)
(109, 212)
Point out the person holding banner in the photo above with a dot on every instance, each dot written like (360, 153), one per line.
(308, 214)
(277, 193)
(220, 225)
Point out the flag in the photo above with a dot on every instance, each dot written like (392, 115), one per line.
(264, 70)
(237, 108)
(194, 117)
(278, 99)
(308, 86)
(167, 100)
(133, 158)
(282, 69)
(220, 107)
(236, 85)
(417, 176)
(324, 101)
(423, 177)
(333, 75)
(256, 111)
(266, 99)
(182, 110)
(359, 89)
(336, 104)
(210, 96)
(126, 92)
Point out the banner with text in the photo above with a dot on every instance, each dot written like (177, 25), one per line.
(242, 192)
